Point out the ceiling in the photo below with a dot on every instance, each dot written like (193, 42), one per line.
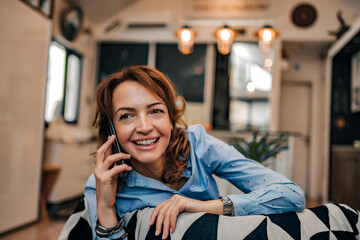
(97, 11)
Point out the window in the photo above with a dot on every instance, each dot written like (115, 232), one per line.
(63, 84)
(72, 88)
(250, 85)
(115, 56)
(186, 71)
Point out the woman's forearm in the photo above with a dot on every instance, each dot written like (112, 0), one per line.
(211, 206)
(107, 218)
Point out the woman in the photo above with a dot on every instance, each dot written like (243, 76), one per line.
(168, 165)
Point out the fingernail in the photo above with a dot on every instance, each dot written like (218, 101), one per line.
(163, 236)
(157, 232)
(171, 230)
(109, 137)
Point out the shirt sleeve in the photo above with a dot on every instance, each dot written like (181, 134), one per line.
(266, 191)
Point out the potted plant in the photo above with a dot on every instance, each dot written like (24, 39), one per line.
(260, 149)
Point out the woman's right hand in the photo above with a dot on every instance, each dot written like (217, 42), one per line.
(106, 181)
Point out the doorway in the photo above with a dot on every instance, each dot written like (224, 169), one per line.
(295, 117)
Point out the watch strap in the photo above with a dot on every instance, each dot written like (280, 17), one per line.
(228, 209)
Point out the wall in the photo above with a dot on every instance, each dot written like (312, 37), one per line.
(326, 19)
(24, 41)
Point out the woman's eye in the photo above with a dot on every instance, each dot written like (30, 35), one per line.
(125, 116)
(157, 111)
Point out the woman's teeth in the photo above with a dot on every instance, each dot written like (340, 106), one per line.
(146, 142)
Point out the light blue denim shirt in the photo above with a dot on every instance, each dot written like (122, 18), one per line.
(266, 191)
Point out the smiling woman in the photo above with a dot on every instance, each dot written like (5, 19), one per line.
(169, 165)
(143, 124)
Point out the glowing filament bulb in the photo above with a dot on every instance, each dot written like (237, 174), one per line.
(225, 37)
(185, 40)
(225, 34)
(267, 36)
(186, 35)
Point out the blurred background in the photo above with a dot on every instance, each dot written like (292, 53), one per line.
(243, 66)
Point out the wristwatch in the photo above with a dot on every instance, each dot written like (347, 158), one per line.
(228, 209)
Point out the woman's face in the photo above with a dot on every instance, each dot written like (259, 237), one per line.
(142, 122)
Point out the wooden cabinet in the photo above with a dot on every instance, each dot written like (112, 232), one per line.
(345, 176)
(76, 165)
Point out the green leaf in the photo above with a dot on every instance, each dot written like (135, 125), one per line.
(238, 147)
(262, 149)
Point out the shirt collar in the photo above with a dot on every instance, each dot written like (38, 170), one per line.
(135, 179)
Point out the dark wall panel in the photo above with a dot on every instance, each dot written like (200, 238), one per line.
(345, 126)
(221, 104)
(115, 56)
(186, 71)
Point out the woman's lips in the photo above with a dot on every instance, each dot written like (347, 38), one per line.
(146, 144)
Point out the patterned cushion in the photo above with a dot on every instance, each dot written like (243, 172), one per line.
(329, 221)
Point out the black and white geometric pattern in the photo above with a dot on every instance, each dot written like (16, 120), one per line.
(329, 221)
(78, 225)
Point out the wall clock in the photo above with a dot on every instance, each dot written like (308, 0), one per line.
(71, 22)
(304, 15)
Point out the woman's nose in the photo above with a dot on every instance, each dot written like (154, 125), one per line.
(144, 125)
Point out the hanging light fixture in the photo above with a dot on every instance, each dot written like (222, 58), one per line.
(225, 38)
(266, 36)
(185, 37)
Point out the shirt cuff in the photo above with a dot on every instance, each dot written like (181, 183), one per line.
(244, 204)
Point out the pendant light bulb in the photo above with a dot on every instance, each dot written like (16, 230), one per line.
(225, 38)
(185, 37)
(267, 35)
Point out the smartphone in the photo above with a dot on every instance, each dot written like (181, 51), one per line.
(117, 145)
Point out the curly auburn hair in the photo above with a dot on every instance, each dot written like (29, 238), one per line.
(178, 149)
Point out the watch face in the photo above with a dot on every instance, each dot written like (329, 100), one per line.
(71, 22)
(304, 15)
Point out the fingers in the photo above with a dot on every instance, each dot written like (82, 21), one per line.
(169, 222)
(173, 221)
(103, 174)
(104, 158)
(156, 212)
(112, 159)
(100, 153)
(106, 171)
(117, 169)
(166, 214)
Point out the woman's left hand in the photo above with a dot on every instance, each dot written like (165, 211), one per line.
(166, 213)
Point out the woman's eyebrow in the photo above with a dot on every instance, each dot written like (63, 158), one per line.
(154, 104)
(133, 109)
(125, 108)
